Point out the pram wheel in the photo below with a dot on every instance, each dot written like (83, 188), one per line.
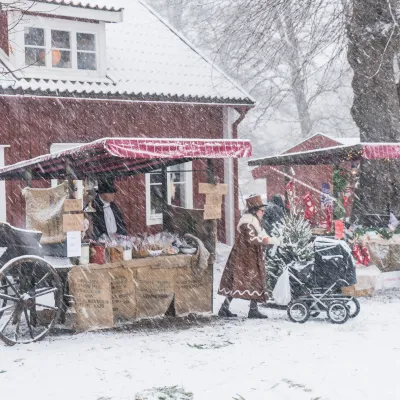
(338, 312)
(298, 311)
(354, 307)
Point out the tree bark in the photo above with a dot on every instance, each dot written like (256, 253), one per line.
(373, 41)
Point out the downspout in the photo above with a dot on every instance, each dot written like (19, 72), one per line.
(231, 171)
(242, 111)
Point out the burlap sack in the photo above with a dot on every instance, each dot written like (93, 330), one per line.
(154, 291)
(123, 294)
(91, 288)
(193, 292)
(44, 209)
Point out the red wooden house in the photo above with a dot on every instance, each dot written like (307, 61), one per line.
(73, 72)
(306, 178)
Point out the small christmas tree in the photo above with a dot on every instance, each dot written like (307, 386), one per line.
(295, 234)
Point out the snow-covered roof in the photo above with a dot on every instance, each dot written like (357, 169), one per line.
(344, 141)
(349, 141)
(146, 60)
(84, 4)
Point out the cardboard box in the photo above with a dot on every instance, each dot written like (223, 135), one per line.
(351, 291)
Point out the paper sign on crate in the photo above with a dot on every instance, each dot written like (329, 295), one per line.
(73, 222)
(73, 205)
(209, 188)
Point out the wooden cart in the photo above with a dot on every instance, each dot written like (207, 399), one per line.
(33, 294)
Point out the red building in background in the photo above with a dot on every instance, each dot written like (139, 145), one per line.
(305, 178)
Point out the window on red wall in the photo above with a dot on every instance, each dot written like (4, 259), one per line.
(180, 191)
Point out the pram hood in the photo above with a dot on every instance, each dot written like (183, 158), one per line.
(333, 261)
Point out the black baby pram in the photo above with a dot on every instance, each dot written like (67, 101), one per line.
(317, 286)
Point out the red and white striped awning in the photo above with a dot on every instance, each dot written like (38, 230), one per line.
(332, 155)
(123, 156)
(378, 151)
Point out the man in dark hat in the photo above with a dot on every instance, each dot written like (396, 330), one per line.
(107, 218)
(244, 274)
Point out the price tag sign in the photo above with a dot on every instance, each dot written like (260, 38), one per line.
(74, 243)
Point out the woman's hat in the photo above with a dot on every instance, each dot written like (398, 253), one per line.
(106, 187)
(254, 202)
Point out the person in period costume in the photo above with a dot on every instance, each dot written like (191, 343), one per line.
(244, 274)
(274, 213)
(107, 217)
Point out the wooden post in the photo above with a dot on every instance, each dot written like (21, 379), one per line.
(211, 226)
(70, 174)
(28, 177)
(164, 187)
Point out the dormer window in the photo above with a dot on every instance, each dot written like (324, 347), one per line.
(59, 41)
(69, 50)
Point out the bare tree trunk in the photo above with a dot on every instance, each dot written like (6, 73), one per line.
(288, 35)
(373, 41)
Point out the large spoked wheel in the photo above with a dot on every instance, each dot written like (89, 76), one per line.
(33, 300)
(338, 312)
(354, 307)
(298, 311)
(3, 290)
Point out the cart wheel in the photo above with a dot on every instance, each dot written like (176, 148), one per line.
(338, 312)
(3, 291)
(354, 307)
(34, 298)
(298, 311)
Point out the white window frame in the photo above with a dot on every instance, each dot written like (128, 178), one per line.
(157, 219)
(3, 197)
(17, 57)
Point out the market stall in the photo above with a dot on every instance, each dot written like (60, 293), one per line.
(375, 236)
(135, 276)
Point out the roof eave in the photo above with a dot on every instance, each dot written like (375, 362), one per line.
(131, 97)
(61, 9)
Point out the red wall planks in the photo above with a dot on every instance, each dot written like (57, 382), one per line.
(30, 125)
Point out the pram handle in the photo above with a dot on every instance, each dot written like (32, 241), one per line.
(343, 280)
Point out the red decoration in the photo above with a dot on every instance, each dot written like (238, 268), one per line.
(361, 254)
(366, 255)
(309, 209)
(339, 229)
(328, 217)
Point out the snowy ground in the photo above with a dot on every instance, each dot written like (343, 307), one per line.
(239, 359)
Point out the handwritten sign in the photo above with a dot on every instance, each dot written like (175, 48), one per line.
(214, 199)
(212, 211)
(209, 188)
(73, 205)
(73, 222)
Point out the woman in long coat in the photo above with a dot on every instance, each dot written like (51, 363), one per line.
(244, 275)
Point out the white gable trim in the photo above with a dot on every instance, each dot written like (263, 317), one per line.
(73, 11)
(193, 48)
